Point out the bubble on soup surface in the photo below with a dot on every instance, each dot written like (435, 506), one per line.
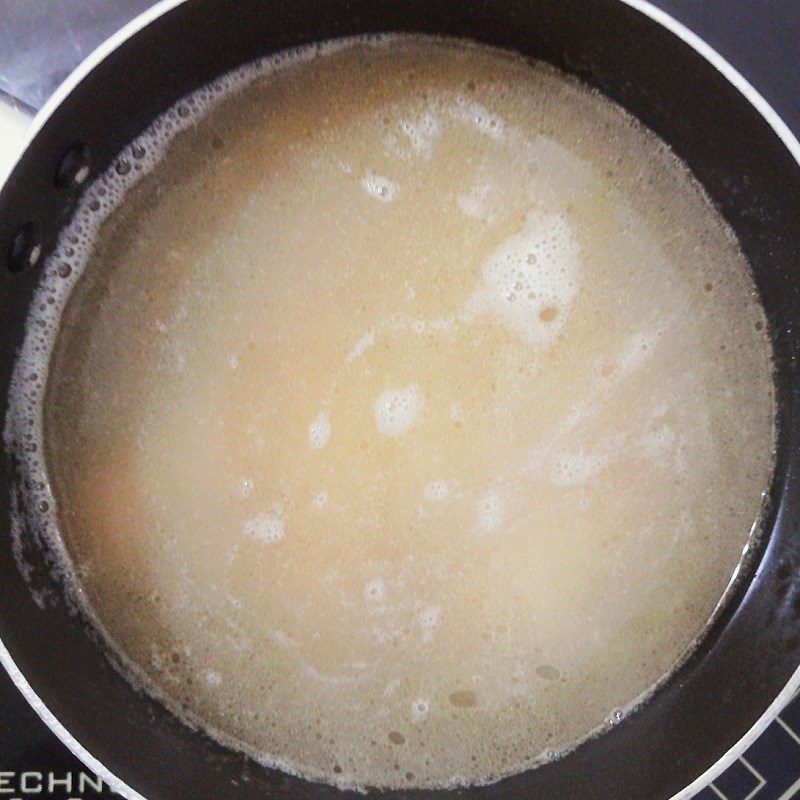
(266, 528)
(395, 410)
(319, 431)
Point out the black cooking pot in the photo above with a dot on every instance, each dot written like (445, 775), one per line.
(740, 151)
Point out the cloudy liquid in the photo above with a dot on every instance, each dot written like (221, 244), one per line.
(411, 415)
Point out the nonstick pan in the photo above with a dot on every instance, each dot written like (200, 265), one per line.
(746, 665)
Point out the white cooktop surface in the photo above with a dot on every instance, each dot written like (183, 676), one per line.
(13, 123)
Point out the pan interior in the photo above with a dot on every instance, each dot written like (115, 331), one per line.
(405, 419)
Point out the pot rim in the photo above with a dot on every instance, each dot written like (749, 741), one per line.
(722, 65)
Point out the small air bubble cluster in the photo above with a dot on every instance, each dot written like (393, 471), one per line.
(319, 431)
(489, 512)
(396, 410)
(479, 117)
(380, 187)
(531, 279)
(266, 528)
(436, 491)
(421, 132)
(574, 469)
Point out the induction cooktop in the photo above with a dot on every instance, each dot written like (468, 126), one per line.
(41, 41)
